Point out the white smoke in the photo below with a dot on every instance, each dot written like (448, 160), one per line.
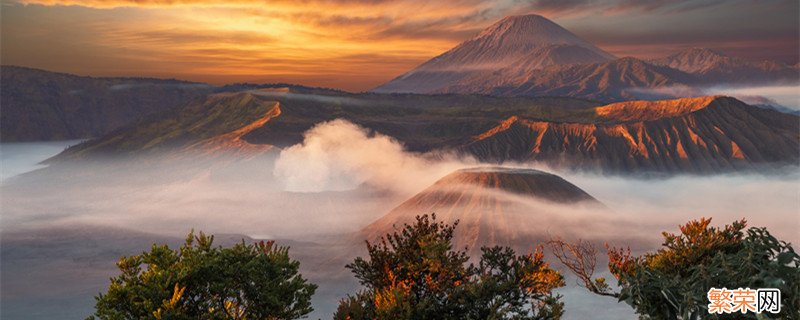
(339, 155)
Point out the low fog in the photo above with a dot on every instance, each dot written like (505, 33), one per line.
(787, 96)
(20, 157)
(784, 97)
(337, 181)
(278, 94)
(341, 177)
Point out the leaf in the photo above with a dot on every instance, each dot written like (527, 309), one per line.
(623, 296)
(785, 257)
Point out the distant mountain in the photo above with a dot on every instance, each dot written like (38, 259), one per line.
(494, 206)
(517, 44)
(532, 56)
(694, 135)
(712, 67)
(39, 105)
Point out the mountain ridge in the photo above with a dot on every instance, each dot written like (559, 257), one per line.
(713, 67)
(711, 135)
(701, 135)
(217, 123)
(617, 80)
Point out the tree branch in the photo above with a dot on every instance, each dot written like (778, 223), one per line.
(581, 259)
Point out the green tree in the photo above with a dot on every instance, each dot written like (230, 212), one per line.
(201, 281)
(673, 282)
(416, 274)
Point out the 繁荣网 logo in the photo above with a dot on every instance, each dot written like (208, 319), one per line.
(744, 300)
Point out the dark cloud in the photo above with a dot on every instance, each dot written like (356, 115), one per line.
(584, 7)
(455, 28)
(424, 30)
(663, 6)
(756, 30)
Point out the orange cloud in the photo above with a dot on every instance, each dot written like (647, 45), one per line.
(323, 44)
(348, 44)
(102, 4)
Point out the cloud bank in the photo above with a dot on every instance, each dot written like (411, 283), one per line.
(342, 177)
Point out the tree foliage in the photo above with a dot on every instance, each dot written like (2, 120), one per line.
(200, 281)
(673, 282)
(416, 274)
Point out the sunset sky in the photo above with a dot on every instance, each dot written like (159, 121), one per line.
(356, 45)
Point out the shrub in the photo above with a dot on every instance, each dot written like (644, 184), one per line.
(415, 274)
(200, 281)
(673, 282)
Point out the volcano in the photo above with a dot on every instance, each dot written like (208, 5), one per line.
(700, 135)
(530, 55)
(493, 205)
(517, 44)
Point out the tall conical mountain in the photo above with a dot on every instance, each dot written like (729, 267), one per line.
(517, 43)
(532, 56)
(494, 206)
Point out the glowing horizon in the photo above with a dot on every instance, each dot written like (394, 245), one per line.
(351, 45)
